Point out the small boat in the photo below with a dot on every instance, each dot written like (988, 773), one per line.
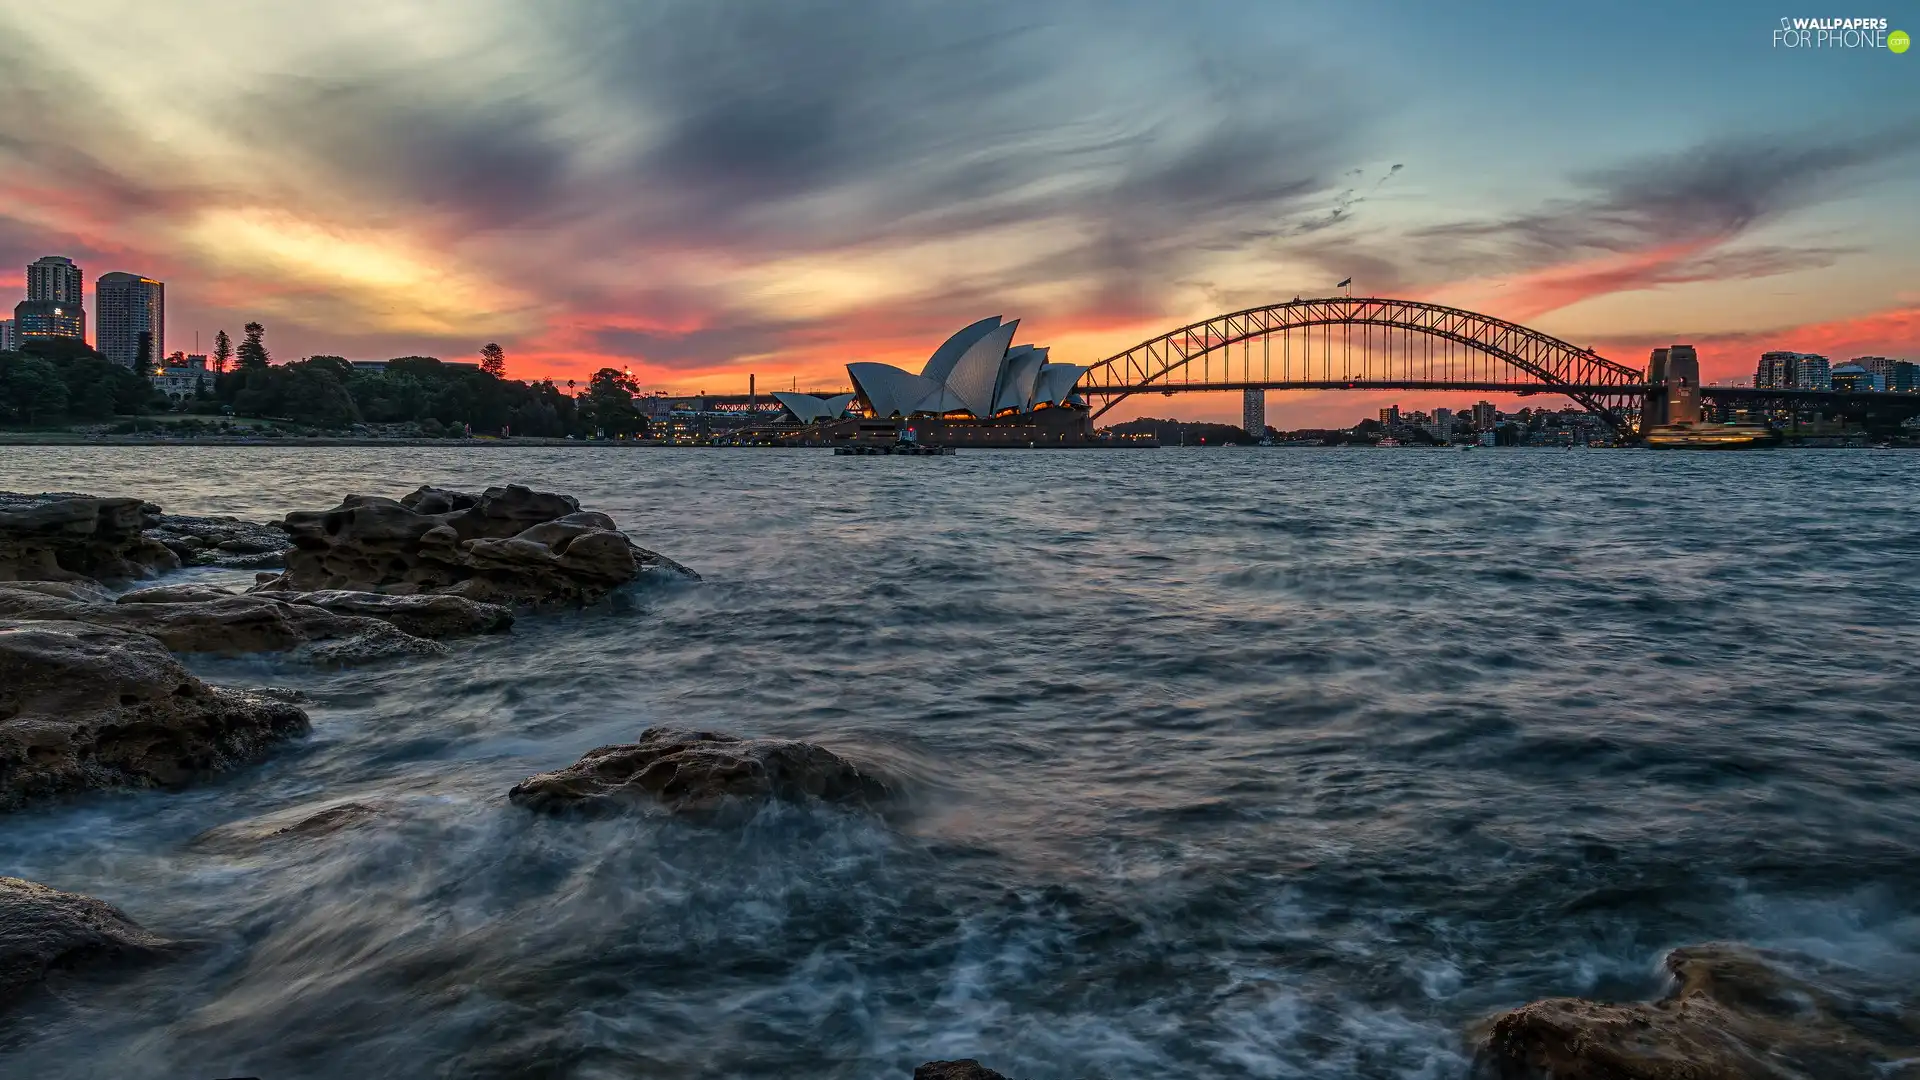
(1388, 441)
(1711, 437)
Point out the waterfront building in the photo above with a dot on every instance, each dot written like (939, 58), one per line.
(1891, 376)
(977, 373)
(130, 310)
(811, 408)
(1813, 372)
(182, 381)
(1442, 428)
(1253, 413)
(8, 342)
(1484, 416)
(1856, 379)
(48, 319)
(1784, 370)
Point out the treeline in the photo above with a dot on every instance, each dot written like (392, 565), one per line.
(57, 381)
(328, 392)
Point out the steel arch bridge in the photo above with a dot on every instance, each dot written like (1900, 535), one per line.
(1368, 343)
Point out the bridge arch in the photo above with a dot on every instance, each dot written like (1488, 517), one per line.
(1479, 352)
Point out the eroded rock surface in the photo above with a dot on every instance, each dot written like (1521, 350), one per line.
(201, 619)
(44, 930)
(1735, 1014)
(221, 541)
(964, 1069)
(509, 545)
(700, 774)
(68, 537)
(85, 706)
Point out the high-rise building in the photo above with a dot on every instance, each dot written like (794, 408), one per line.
(1484, 416)
(48, 319)
(128, 307)
(1813, 372)
(8, 342)
(1443, 424)
(1783, 370)
(55, 278)
(1253, 413)
(1389, 416)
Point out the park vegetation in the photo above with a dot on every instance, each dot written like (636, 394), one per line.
(51, 382)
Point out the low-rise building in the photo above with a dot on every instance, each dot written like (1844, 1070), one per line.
(183, 380)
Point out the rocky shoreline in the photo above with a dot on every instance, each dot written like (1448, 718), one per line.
(93, 696)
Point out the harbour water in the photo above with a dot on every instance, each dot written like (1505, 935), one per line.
(1223, 763)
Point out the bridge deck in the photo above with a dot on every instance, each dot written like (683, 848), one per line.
(1162, 387)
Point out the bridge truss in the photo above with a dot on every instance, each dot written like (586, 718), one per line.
(1365, 343)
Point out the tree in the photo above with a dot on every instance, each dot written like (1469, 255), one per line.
(493, 360)
(610, 402)
(31, 389)
(253, 349)
(143, 355)
(222, 351)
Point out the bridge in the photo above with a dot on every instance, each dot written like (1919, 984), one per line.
(1371, 343)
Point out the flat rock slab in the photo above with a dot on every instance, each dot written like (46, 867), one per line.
(1735, 1013)
(204, 620)
(44, 931)
(701, 774)
(85, 707)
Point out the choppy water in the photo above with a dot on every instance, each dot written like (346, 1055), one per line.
(1230, 763)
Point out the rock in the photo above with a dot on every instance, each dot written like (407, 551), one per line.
(67, 537)
(44, 930)
(510, 545)
(964, 1069)
(85, 706)
(174, 594)
(221, 541)
(424, 615)
(300, 823)
(698, 774)
(202, 619)
(1735, 1014)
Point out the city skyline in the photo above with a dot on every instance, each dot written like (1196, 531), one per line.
(374, 181)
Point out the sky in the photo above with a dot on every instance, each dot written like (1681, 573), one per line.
(699, 190)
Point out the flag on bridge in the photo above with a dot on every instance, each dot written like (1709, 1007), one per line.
(1344, 283)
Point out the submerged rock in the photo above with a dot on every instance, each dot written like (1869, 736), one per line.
(964, 1069)
(85, 706)
(508, 545)
(299, 823)
(68, 537)
(44, 930)
(699, 773)
(1735, 1014)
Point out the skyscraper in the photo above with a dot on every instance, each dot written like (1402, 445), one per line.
(126, 307)
(1442, 427)
(1253, 413)
(1484, 415)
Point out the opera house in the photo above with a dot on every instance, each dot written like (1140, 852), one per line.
(977, 389)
